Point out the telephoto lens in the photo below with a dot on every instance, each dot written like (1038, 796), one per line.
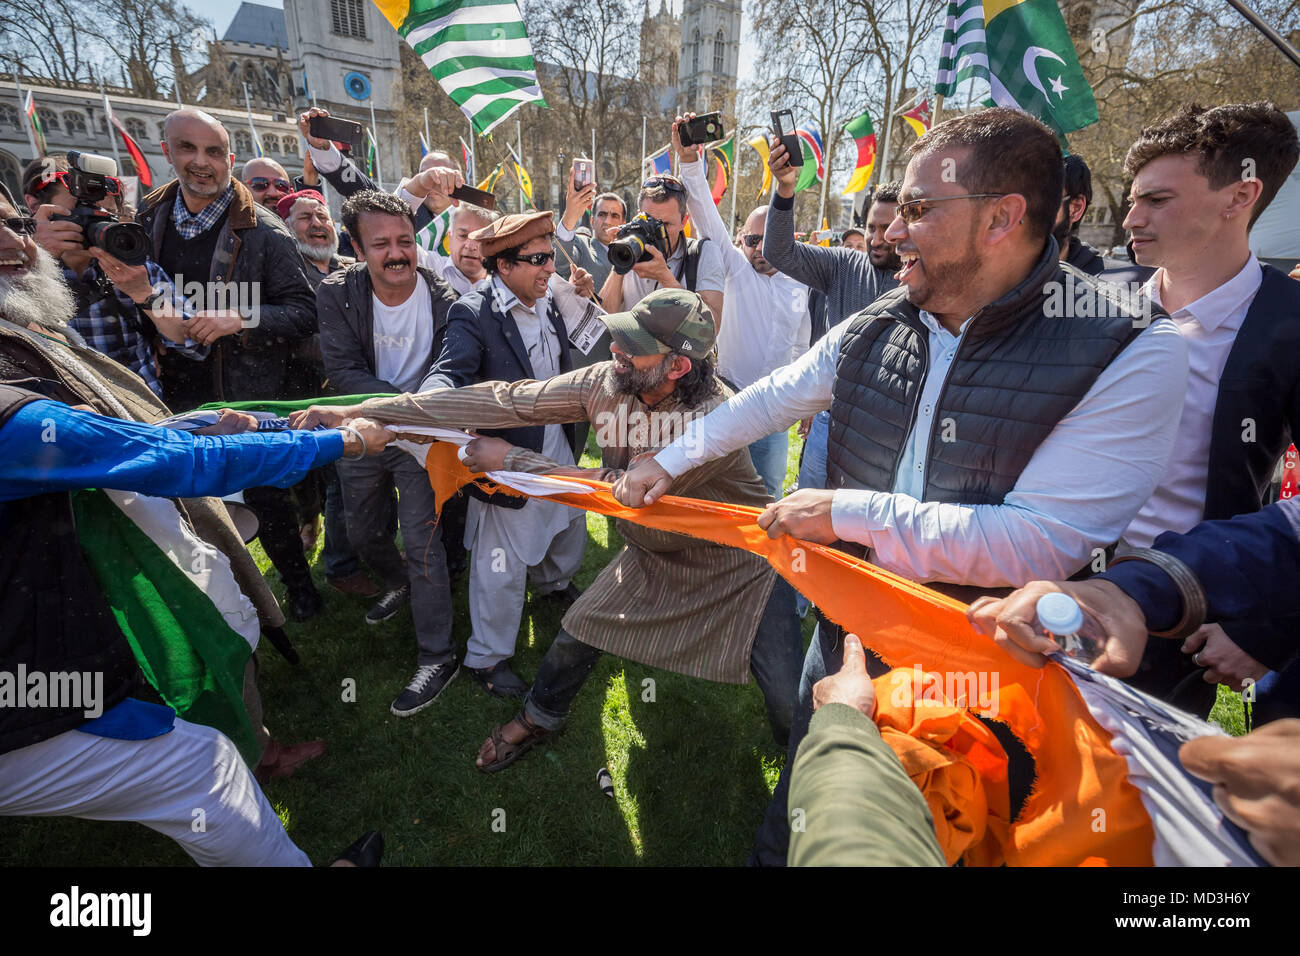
(625, 252)
(126, 241)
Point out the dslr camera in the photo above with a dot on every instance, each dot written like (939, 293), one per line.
(630, 242)
(88, 180)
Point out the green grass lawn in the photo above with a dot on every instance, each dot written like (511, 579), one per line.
(692, 768)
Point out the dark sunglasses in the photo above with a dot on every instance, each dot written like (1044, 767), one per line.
(664, 182)
(751, 239)
(536, 259)
(261, 182)
(20, 225)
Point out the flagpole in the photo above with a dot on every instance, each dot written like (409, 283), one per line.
(427, 138)
(248, 108)
(1270, 34)
(108, 121)
(643, 120)
(379, 166)
(22, 108)
(519, 157)
(593, 149)
(473, 157)
(735, 177)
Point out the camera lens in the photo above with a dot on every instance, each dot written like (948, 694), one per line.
(624, 253)
(127, 241)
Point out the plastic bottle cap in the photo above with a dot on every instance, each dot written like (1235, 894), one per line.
(1059, 614)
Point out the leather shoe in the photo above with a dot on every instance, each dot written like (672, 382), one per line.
(279, 762)
(366, 851)
(566, 595)
(500, 680)
(356, 584)
(304, 602)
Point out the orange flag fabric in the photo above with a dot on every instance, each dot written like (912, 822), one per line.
(1082, 809)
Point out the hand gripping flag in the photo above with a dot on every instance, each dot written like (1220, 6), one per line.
(1024, 51)
(477, 50)
(864, 135)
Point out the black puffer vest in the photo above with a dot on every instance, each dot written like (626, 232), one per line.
(1017, 372)
(53, 618)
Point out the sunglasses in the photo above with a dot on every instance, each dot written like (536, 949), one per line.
(112, 186)
(914, 209)
(261, 183)
(751, 239)
(664, 182)
(536, 259)
(20, 225)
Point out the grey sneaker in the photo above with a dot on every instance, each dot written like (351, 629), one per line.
(424, 688)
(388, 605)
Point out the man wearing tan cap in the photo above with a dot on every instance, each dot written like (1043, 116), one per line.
(509, 331)
(666, 600)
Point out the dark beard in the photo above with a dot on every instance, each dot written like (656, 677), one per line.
(1061, 232)
(638, 381)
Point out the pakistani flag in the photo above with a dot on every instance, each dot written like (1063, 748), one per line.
(477, 50)
(1023, 49)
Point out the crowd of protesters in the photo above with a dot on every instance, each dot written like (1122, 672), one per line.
(986, 402)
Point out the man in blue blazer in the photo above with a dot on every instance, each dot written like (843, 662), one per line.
(512, 330)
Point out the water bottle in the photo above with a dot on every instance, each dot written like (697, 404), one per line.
(1060, 616)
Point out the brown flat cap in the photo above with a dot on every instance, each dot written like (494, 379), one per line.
(512, 231)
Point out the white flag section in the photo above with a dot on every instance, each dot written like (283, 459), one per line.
(522, 481)
(1190, 828)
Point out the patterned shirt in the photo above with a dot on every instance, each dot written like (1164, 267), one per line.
(113, 325)
(190, 224)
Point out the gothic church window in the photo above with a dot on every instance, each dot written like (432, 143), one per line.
(74, 123)
(719, 46)
(695, 53)
(136, 130)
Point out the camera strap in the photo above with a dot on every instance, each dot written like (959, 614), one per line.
(691, 263)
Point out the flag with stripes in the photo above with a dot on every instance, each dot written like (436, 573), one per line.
(1024, 51)
(34, 120)
(477, 50)
(812, 171)
(722, 155)
(658, 163)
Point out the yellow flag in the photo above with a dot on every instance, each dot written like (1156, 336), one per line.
(826, 233)
(490, 183)
(524, 182)
(759, 144)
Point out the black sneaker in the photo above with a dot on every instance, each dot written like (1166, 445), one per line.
(424, 688)
(388, 605)
(304, 602)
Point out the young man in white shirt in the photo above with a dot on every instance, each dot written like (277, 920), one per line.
(1201, 178)
(976, 438)
(765, 322)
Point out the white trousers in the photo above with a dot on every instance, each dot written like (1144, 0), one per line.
(498, 578)
(190, 784)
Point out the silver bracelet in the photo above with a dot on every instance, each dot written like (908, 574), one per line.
(349, 428)
(1195, 606)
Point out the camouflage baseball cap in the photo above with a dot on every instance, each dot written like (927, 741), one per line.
(665, 320)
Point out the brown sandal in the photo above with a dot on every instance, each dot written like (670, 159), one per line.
(506, 752)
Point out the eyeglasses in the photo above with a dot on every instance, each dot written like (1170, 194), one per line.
(261, 183)
(112, 185)
(20, 225)
(536, 259)
(752, 239)
(664, 182)
(914, 209)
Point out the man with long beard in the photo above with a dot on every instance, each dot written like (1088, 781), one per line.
(977, 434)
(666, 600)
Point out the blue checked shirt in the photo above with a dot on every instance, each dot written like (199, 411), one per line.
(190, 224)
(111, 323)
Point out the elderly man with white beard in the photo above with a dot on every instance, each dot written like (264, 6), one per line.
(309, 219)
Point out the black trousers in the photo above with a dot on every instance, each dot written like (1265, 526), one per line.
(277, 517)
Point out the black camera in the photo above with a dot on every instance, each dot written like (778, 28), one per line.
(629, 245)
(91, 179)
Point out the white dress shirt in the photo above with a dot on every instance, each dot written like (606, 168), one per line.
(1079, 490)
(1209, 327)
(765, 321)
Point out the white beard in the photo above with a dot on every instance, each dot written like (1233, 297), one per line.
(319, 251)
(41, 297)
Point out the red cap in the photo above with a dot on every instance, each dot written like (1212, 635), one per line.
(286, 203)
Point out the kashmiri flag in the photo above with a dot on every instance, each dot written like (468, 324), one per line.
(370, 152)
(723, 154)
(918, 117)
(34, 121)
(760, 145)
(864, 134)
(436, 236)
(812, 172)
(133, 150)
(1024, 51)
(490, 183)
(477, 50)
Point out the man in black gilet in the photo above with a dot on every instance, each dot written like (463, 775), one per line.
(989, 418)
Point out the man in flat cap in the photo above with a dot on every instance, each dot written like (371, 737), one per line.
(666, 600)
(511, 331)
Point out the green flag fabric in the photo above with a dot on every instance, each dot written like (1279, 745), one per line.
(1024, 51)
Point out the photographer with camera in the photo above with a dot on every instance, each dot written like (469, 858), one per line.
(121, 308)
(649, 252)
(765, 324)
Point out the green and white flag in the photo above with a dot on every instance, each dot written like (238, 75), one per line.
(436, 236)
(477, 50)
(1023, 49)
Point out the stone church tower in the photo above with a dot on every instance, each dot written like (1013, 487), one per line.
(350, 56)
(710, 44)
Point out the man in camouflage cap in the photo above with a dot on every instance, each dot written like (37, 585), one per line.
(666, 600)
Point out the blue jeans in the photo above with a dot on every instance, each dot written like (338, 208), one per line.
(812, 471)
(825, 656)
(768, 455)
(774, 662)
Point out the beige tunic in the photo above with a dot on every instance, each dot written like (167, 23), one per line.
(666, 600)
